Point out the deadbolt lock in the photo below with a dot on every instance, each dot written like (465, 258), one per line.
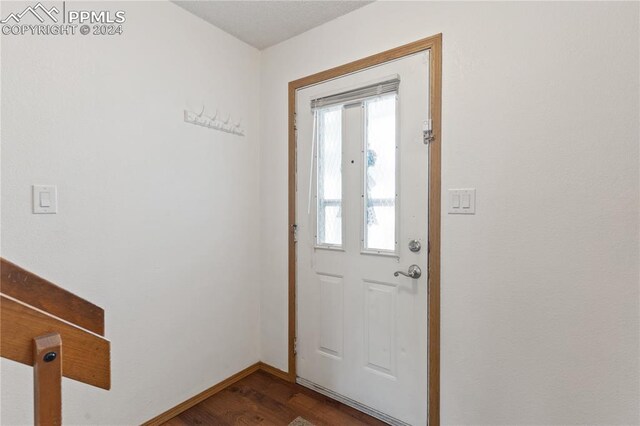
(415, 246)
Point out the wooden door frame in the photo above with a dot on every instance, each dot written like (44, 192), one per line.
(434, 45)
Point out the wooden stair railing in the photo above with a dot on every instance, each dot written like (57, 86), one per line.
(37, 321)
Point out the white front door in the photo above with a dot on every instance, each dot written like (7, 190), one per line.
(361, 203)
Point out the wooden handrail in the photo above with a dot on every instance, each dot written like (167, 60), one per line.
(86, 354)
(33, 290)
(37, 320)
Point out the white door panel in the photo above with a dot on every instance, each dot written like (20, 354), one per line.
(362, 196)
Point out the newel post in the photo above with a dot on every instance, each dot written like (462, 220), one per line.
(47, 383)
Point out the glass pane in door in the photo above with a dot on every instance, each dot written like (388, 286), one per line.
(329, 166)
(380, 194)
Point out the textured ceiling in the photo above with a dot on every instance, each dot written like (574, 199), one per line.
(265, 23)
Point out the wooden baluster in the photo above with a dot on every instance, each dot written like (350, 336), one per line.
(47, 370)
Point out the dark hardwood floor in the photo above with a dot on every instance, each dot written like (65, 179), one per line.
(263, 399)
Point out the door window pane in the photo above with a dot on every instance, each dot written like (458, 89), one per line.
(329, 163)
(380, 174)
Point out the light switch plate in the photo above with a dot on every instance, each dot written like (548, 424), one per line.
(462, 201)
(45, 199)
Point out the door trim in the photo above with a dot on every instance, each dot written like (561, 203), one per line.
(434, 45)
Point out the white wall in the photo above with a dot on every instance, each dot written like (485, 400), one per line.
(540, 297)
(157, 218)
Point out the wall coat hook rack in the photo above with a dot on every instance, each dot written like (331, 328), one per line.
(226, 124)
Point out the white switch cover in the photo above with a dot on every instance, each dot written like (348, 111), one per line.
(45, 199)
(462, 201)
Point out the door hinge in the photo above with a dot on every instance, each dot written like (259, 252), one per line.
(295, 346)
(294, 229)
(427, 132)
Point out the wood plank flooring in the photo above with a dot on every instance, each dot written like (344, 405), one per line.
(263, 399)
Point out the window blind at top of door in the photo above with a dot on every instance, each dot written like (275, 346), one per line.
(361, 93)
